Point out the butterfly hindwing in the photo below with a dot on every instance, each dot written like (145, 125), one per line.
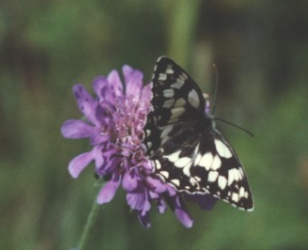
(186, 150)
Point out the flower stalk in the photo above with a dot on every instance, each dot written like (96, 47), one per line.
(88, 226)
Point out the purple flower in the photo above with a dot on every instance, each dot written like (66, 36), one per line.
(114, 123)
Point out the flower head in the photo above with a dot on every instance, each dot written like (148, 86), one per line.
(114, 124)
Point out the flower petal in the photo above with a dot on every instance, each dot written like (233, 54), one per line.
(147, 94)
(181, 212)
(156, 184)
(99, 84)
(170, 190)
(130, 181)
(161, 206)
(78, 164)
(98, 157)
(98, 139)
(184, 217)
(75, 129)
(138, 201)
(85, 103)
(144, 220)
(133, 79)
(145, 101)
(108, 191)
(115, 81)
(205, 201)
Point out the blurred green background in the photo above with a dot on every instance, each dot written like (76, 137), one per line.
(261, 50)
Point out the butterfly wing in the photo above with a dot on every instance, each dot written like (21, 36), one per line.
(186, 150)
(226, 175)
(204, 163)
(176, 98)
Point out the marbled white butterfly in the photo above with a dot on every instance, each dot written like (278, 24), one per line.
(185, 148)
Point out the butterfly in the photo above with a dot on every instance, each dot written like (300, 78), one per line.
(185, 148)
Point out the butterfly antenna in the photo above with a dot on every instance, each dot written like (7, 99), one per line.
(216, 88)
(234, 125)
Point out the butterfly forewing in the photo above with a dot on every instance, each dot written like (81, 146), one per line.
(176, 98)
(185, 148)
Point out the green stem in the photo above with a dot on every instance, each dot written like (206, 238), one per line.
(87, 229)
(182, 27)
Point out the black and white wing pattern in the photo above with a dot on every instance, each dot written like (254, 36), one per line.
(185, 148)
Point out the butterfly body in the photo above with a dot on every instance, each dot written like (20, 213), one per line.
(186, 149)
